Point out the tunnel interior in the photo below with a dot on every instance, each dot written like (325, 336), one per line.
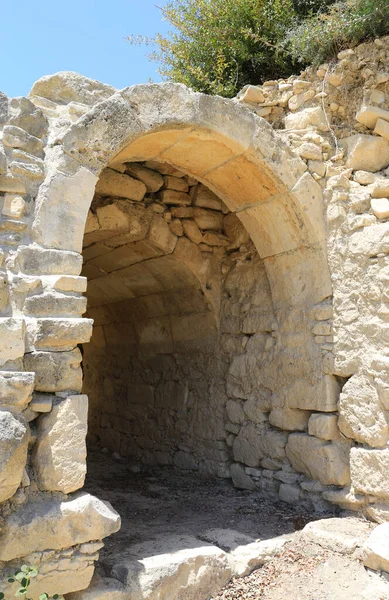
(183, 354)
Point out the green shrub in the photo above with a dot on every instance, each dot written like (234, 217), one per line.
(344, 24)
(217, 46)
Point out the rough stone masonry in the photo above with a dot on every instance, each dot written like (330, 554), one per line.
(230, 258)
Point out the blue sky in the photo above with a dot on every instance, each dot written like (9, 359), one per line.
(88, 36)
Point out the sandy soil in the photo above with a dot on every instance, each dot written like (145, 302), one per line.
(153, 502)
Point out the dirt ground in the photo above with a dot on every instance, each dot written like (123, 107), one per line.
(153, 502)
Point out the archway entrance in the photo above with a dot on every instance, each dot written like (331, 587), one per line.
(205, 253)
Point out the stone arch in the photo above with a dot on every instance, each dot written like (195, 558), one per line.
(235, 153)
(247, 165)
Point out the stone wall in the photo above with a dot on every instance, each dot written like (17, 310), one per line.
(218, 344)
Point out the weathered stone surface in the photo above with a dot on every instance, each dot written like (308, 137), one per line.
(368, 115)
(289, 419)
(15, 389)
(173, 567)
(307, 117)
(59, 334)
(258, 441)
(55, 371)
(12, 332)
(369, 470)
(380, 207)
(175, 198)
(240, 479)
(15, 137)
(361, 415)
(326, 462)
(14, 437)
(339, 535)
(366, 152)
(23, 113)
(102, 588)
(41, 261)
(54, 524)
(111, 183)
(42, 403)
(376, 549)
(324, 426)
(59, 456)
(244, 553)
(152, 180)
(67, 86)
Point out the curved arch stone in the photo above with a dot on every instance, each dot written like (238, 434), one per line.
(236, 154)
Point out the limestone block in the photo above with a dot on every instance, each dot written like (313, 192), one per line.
(182, 212)
(59, 455)
(112, 183)
(15, 137)
(58, 334)
(15, 389)
(14, 185)
(57, 523)
(339, 535)
(320, 460)
(66, 86)
(256, 409)
(13, 206)
(251, 93)
(361, 416)
(176, 227)
(24, 114)
(364, 177)
(244, 553)
(69, 283)
(40, 261)
(62, 576)
(310, 196)
(382, 128)
(204, 198)
(207, 219)
(92, 224)
(378, 512)
(101, 588)
(324, 426)
(14, 437)
(366, 152)
(369, 115)
(240, 479)
(192, 231)
(42, 403)
(173, 567)
(290, 493)
(175, 198)
(215, 239)
(380, 207)
(308, 117)
(321, 395)
(369, 471)
(55, 371)
(289, 419)
(376, 549)
(59, 220)
(346, 498)
(178, 184)
(310, 151)
(255, 442)
(235, 411)
(54, 303)
(235, 231)
(379, 188)
(152, 180)
(160, 237)
(12, 333)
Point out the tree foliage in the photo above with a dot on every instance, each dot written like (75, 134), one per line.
(218, 46)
